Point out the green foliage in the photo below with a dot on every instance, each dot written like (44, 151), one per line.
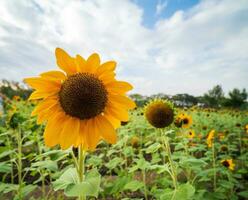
(128, 170)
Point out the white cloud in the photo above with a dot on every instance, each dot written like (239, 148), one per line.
(160, 7)
(188, 52)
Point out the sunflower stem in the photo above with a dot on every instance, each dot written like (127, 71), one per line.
(19, 163)
(81, 168)
(166, 144)
(214, 165)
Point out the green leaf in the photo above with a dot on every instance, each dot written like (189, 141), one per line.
(46, 164)
(5, 188)
(68, 177)
(114, 163)
(89, 187)
(160, 168)
(184, 191)
(133, 185)
(153, 148)
(243, 194)
(5, 167)
(27, 189)
(6, 153)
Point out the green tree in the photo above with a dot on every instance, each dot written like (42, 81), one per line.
(214, 97)
(237, 98)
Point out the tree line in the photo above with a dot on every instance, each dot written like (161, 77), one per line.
(215, 98)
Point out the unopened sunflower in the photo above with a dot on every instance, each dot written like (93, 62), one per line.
(210, 138)
(228, 163)
(82, 104)
(159, 113)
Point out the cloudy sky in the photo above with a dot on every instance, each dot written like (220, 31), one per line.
(170, 46)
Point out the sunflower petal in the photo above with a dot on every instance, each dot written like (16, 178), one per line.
(119, 87)
(122, 101)
(48, 113)
(45, 104)
(53, 130)
(65, 62)
(117, 112)
(93, 135)
(107, 130)
(116, 123)
(40, 95)
(81, 64)
(42, 84)
(53, 75)
(93, 62)
(105, 67)
(83, 135)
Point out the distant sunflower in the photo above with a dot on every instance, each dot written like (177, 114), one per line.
(221, 136)
(134, 141)
(82, 105)
(210, 138)
(191, 134)
(16, 98)
(246, 128)
(183, 121)
(187, 121)
(228, 163)
(159, 113)
(224, 148)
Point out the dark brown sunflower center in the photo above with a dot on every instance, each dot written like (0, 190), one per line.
(226, 163)
(185, 121)
(83, 96)
(160, 115)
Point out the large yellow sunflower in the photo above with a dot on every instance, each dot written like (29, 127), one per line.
(83, 105)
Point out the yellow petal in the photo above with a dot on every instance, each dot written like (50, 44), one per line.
(106, 129)
(53, 75)
(93, 135)
(53, 130)
(41, 95)
(117, 112)
(44, 105)
(48, 113)
(42, 84)
(81, 64)
(105, 67)
(118, 87)
(122, 101)
(69, 132)
(65, 62)
(107, 77)
(83, 135)
(115, 122)
(93, 62)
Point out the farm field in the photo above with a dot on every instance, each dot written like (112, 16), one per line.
(205, 157)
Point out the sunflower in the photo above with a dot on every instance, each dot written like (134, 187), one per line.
(224, 148)
(228, 163)
(246, 128)
(159, 113)
(82, 104)
(134, 141)
(221, 136)
(210, 138)
(191, 134)
(183, 121)
(16, 98)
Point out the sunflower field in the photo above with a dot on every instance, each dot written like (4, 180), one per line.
(79, 136)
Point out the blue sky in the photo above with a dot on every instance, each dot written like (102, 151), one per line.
(169, 7)
(169, 46)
